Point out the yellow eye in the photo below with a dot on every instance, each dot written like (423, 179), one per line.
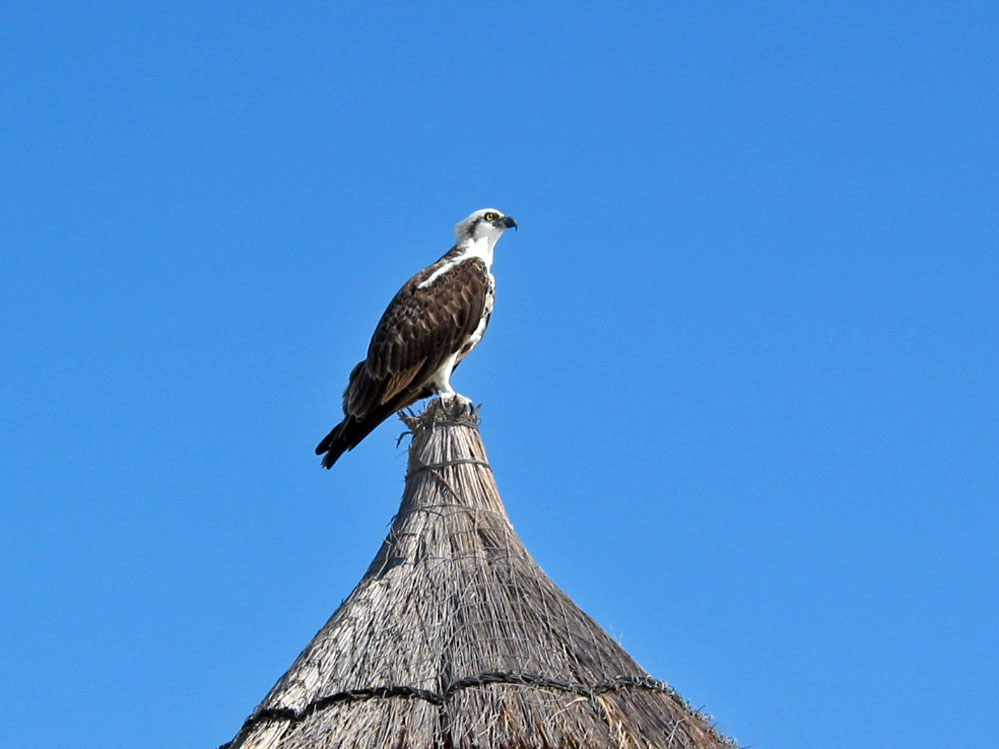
(490, 216)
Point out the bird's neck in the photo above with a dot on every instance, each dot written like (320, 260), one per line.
(480, 248)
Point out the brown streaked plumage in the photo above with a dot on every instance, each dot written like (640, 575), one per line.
(434, 321)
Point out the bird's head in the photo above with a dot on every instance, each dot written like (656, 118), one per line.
(487, 223)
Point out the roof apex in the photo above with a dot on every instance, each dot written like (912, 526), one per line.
(455, 638)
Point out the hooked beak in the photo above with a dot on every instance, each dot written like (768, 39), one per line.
(509, 222)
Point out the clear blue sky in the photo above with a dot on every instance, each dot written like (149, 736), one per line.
(740, 387)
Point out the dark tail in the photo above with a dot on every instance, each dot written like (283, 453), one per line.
(348, 433)
(333, 445)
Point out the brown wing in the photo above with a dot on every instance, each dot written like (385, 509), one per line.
(418, 331)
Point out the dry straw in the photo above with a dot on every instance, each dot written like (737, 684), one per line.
(456, 639)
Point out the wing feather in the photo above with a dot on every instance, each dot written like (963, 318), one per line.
(417, 332)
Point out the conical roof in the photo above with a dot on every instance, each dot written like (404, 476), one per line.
(456, 639)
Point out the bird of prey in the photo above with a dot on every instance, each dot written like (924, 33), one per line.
(434, 321)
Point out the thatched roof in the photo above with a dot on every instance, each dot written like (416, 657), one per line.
(456, 639)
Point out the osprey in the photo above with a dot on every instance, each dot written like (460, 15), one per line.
(434, 321)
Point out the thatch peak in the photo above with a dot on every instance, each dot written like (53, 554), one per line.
(441, 412)
(456, 639)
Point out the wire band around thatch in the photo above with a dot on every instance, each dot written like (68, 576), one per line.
(447, 463)
(441, 698)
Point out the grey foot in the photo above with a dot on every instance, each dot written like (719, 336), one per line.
(455, 399)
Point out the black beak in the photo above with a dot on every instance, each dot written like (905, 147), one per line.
(508, 222)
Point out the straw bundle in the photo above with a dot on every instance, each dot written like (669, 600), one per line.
(456, 639)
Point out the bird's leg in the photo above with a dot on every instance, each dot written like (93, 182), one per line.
(443, 384)
(450, 395)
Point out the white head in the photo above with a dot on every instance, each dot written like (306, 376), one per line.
(488, 224)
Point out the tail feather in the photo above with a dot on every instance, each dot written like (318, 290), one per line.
(348, 433)
(333, 445)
